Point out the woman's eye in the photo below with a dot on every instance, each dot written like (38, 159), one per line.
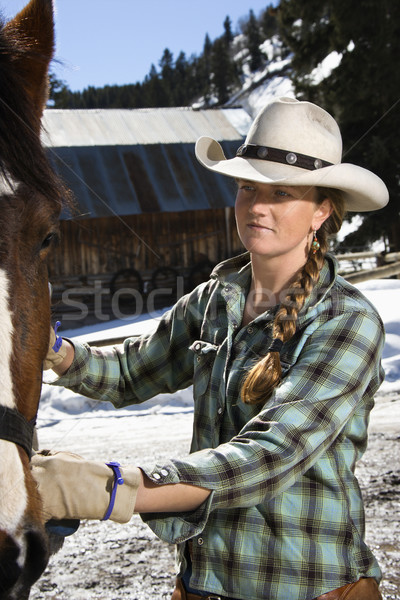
(282, 194)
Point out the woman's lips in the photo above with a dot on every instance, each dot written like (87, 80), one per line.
(259, 227)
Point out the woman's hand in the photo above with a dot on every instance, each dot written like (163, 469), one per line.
(74, 488)
(59, 359)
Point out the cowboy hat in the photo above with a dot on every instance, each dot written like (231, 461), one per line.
(296, 143)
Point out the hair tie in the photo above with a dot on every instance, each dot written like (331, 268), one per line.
(276, 345)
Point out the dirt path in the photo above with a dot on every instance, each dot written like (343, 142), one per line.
(106, 561)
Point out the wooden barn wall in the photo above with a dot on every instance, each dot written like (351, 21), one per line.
(104, 246)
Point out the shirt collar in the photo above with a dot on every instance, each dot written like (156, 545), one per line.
(237, 271)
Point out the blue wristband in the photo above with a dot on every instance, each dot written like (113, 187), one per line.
(118, 480)
(58, 342)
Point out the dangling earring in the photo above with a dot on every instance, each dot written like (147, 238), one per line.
(315, 246)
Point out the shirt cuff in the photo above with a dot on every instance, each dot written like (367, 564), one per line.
(175, 528)
(76, 371)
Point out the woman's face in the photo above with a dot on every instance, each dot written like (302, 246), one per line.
(278, 221)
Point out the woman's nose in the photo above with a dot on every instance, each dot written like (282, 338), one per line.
(259, 204)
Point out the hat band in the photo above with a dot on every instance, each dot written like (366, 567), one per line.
(285, 157)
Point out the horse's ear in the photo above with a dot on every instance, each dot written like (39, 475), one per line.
(33, 29)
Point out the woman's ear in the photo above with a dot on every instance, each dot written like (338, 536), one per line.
(322, 212)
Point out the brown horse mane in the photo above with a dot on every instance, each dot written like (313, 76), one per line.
(23, 159)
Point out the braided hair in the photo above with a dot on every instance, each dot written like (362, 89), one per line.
(266, 374)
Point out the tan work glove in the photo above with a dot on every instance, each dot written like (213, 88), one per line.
(54, 357)
(74, 488)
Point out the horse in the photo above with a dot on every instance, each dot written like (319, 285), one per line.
(31, 199)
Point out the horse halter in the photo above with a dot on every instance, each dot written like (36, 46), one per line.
(15, 428)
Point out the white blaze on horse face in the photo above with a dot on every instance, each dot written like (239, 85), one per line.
(6, 332)
(13, 496)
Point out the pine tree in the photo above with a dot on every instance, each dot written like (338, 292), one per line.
(181, 92)
(268, 21)
(202, 71)
(220, 64)
(254, 41)
(154, 94)
(59, 95)
(228, 35)
(167, 77)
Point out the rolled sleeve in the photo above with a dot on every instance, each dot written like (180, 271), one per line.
(175, 528)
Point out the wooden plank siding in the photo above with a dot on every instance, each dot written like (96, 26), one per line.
(145, 242)
(92, 251)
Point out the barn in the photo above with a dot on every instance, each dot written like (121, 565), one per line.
(149, 221)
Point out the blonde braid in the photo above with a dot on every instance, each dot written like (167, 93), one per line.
(266, 373)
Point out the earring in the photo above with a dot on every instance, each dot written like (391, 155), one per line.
(315, 246)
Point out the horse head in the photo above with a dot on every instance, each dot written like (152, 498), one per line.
(31, 198)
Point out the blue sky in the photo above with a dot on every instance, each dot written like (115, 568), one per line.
(116, 41)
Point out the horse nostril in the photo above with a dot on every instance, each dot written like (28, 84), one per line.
(37, 555)
(10, 570)
(16, 580)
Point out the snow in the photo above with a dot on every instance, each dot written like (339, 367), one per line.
(60, 405)
(385, 295)
(324, 68)
(276, 86)
(349, 226)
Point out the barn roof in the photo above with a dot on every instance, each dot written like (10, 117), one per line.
(121, 161)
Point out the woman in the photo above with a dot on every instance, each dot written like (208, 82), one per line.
(284, 356)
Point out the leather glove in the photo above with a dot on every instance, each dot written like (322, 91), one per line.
(74, 488)
(56, 351)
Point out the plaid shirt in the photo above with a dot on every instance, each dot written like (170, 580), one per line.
(285, 518)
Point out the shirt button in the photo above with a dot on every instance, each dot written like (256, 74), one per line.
(200, 541)
(249, 330)
(157, 476)
(220, 410)
(164, 472)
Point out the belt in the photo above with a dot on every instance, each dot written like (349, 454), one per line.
(363, 589)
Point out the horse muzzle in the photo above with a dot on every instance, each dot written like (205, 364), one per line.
(22, 563)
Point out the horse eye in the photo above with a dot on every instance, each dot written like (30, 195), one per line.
(48, 240)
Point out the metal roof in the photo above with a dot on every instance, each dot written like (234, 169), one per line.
(121, 162)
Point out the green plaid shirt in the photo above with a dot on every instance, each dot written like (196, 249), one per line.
(285, 518)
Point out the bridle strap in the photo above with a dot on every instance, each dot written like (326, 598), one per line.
(15, 428)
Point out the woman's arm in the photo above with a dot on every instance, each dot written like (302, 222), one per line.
(141, 367)
(176, 497)
(74, 488)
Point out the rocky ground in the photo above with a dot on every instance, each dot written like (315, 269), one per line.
(106, 561)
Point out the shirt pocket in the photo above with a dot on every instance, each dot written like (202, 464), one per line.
(204, 356)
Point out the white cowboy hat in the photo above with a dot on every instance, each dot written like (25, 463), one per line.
(296, 143)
